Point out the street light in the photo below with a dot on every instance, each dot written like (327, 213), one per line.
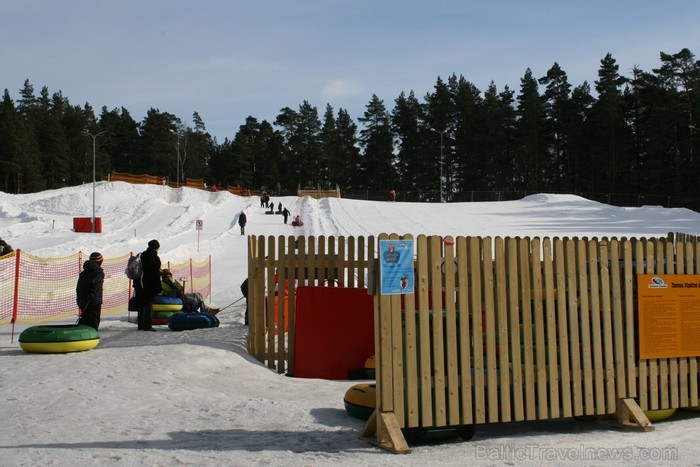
(442, 200)
(94, 138)
(177, 170)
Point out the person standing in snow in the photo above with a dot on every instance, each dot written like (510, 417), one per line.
(285, 214)
(149, 285)
(5, 248)
(244, 291)
(242, 221)
(89, 291)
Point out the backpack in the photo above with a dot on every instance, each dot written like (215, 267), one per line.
(134, 268)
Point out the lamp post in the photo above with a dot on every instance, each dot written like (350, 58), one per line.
(94, 139)
(177, 169)
(442, 133)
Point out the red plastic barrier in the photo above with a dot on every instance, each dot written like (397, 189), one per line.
(334, 331)
(84, 224)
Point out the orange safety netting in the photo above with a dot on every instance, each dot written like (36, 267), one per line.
(189, 182)
(34, 289)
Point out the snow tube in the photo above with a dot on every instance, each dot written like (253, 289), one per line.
(658, 415)
(61, 338)
(370, 369)
(163, 314)
(196, 320)
(165, 303)
(361, 400)
(297, 224)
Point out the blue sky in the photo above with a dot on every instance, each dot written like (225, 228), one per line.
(228, 59)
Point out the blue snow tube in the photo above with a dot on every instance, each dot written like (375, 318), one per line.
(196, 320)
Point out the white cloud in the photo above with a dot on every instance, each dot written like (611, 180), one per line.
(342, 88)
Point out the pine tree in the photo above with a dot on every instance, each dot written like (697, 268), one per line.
(440, 119)
(557, 103)
(412, 157)
(609, 165)
(376, 142)
(471, 169)
(531, 160)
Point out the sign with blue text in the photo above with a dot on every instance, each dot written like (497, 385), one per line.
(396, 266)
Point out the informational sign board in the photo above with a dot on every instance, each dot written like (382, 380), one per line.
(669, 315)
(396, 266)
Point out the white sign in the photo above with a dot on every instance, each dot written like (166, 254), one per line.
(200, 224)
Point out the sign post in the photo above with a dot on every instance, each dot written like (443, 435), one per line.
(199, 224)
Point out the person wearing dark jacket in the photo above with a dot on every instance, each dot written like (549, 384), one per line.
(244, 291)
(241, 221)
(285, 214)
(148, 286)
(89, 291)
(5, 249)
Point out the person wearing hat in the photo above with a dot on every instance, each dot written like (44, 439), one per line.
(193, 301)
(89, 291)
(149, 285)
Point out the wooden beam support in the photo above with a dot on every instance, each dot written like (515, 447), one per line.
(383, 430)
(630, 416)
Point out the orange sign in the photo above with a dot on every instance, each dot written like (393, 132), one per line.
(669, 315)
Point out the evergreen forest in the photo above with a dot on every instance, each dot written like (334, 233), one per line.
(628, 139)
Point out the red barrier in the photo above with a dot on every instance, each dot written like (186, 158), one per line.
(334, 331)
(84, 224)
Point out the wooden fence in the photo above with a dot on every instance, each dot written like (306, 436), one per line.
(276, 265)
(498, 329)
(318, 193)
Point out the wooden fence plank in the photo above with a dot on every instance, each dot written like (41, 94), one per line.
(411, 358)
(397, 345)
(629, 301)
(682, 267)
(527, 327)
(562, 329)
(437, 320)
(451, 360)
(489, 307)
(513, 265)
(539, 329)
(465, 354)
(552, 346)
(365, 251)
(574, 302)
(383, 353)
(662, 376)
(352, 257)
(640, 254)
(617, 321)
(475, 308)
(594, 267)
(293, 271)
(426, 377)
(610, 404)
(503, 338)
(672, 262)
(586, 346)
(693, 255)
